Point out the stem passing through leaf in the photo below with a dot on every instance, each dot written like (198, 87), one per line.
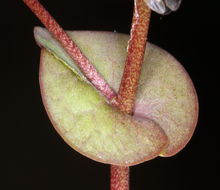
(124, 101)
(125, 98)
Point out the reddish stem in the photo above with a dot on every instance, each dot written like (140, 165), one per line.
(127, 91)
(119, 177)
(136, 49)
(80, 59)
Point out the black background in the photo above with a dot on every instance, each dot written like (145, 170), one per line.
(37, 158)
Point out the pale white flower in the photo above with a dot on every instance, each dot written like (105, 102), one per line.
(163, 6)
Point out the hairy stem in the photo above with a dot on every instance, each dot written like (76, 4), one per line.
(128, 87)
(75, 53)
(136, 49)
(119, 177)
